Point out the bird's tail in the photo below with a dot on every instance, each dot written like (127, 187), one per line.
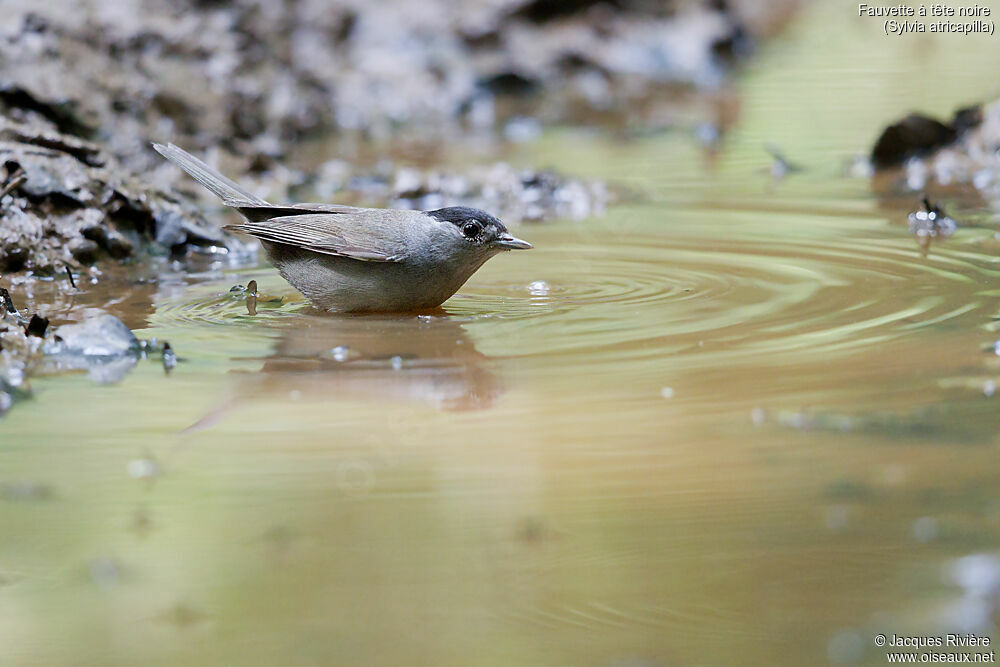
(230, 193)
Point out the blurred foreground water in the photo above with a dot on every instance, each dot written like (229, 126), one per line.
(739, 421)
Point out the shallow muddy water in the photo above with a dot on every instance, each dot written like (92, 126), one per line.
(735, 421)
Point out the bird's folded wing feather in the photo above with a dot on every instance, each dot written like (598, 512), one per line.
(256, 212)
(340, 234)
(325, 208)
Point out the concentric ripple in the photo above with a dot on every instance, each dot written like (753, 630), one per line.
(836, 285)
(644, 301)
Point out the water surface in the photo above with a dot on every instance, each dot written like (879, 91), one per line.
(735, 421)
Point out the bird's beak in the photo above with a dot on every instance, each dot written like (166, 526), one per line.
(511, 243)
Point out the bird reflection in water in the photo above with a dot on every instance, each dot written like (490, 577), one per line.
(427, 358)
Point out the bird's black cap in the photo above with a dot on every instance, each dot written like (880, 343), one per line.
(459, 215)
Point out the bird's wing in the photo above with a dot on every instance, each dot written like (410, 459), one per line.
(324, 208)
(261, 212)
(346, 234)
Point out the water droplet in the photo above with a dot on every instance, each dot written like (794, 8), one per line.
(667, 392)
(758, 416)
(143, 469)
(397, 363)
(538, 288)
(989, 388)
(340, 353)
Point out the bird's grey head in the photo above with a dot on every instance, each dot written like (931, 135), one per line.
(479, 229)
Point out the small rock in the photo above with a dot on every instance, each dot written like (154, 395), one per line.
(101, 336)
(36, 326)
(917, 135)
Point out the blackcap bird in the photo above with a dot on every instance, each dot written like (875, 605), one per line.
(349, 259)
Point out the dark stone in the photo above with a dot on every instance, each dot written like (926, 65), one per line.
(13, 259)
(542, 11)
(510, 83)
(917, 135)
(119, 247)
(37, 326)
(967, 118)
(84, 251)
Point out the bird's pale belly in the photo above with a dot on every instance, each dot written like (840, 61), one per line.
(342, 284)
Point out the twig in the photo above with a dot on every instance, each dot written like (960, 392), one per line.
(8, 303)
(16, 181)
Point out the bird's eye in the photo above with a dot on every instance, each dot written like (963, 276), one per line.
(471, 229)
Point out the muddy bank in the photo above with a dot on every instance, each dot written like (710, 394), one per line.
(66, 203)
(513, 194)
(86, 85)
(257, 75)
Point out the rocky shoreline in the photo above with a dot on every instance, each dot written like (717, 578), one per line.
(67, 203)
(80, 101)
(255, 76)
